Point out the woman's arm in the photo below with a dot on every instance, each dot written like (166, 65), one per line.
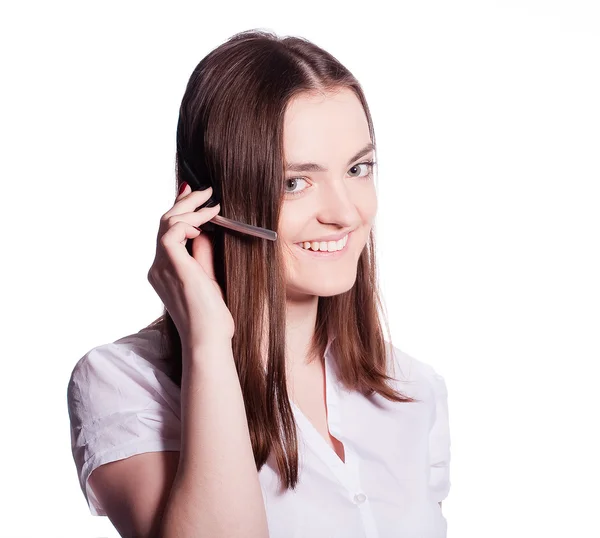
(216, 492)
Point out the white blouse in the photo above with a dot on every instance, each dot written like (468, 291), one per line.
(121, 402)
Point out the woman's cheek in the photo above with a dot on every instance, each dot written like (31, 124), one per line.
(368, 205)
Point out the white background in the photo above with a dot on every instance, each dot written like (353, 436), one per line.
(487, 119)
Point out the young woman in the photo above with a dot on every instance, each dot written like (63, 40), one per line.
(265, 401)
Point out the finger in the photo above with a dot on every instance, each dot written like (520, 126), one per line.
(188, 202)
(184, 192)
(177, 235)
(195, 218)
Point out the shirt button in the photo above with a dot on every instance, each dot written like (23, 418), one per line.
(360, 498)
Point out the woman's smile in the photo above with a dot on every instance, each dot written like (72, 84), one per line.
(325, 254)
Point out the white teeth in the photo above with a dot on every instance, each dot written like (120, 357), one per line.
(324, 246)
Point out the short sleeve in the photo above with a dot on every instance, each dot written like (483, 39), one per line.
(439, 442)
(120, 404)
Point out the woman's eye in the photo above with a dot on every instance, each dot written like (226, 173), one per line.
(369, 168)
(294, 180)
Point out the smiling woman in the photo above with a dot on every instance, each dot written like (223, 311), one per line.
(305, 405)
(330, 219)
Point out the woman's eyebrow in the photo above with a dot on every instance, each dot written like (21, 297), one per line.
(313, 167)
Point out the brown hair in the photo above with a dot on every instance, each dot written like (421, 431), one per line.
(231, 126)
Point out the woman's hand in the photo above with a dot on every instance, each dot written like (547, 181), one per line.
(187, 284)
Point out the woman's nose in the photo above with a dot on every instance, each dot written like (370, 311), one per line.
(337, 204)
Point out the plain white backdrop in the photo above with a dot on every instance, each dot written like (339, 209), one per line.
(487, 119)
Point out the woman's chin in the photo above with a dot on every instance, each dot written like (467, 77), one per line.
(325, 287)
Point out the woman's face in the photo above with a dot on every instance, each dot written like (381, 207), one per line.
(339, 200)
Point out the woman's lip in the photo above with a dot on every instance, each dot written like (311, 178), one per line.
(332, 237)
(323, 253)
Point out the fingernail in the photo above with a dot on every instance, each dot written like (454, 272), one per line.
(182, 188)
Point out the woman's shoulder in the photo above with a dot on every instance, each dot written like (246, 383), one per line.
(136, 360)
(409, 371)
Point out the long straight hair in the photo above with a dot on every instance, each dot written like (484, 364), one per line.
(231, 127)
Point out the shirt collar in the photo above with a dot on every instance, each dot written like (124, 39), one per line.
(329, 342)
